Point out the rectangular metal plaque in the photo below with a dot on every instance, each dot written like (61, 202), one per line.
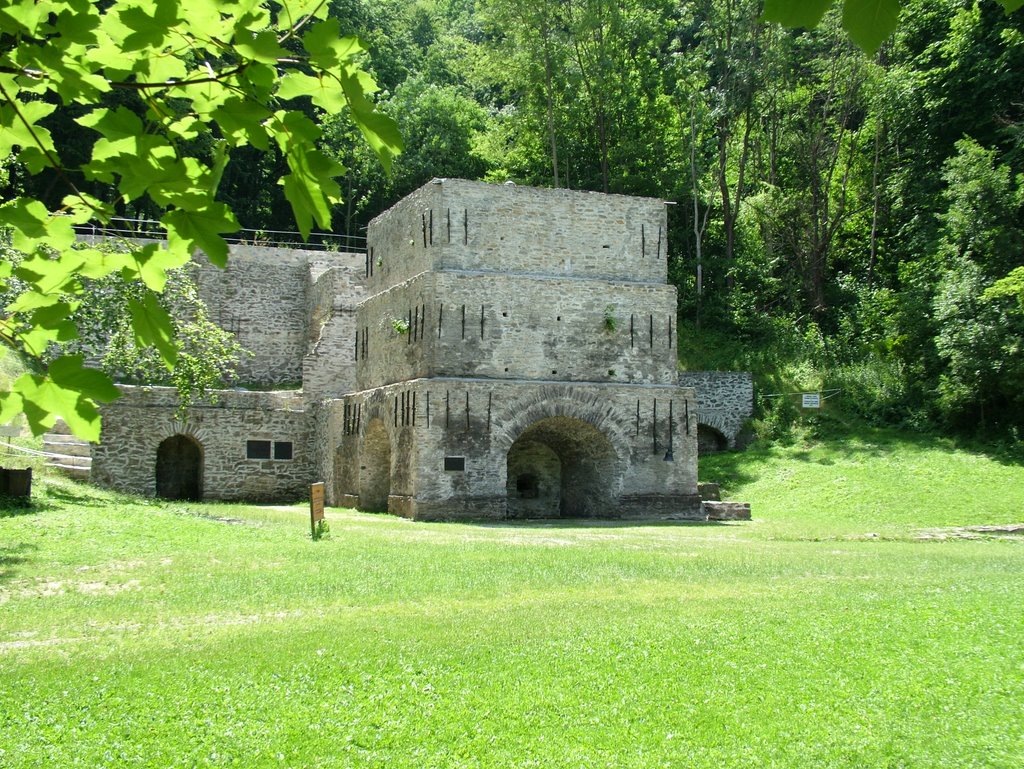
(811, 400)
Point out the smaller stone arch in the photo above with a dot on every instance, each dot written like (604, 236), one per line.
(179, 468)
(710, 440)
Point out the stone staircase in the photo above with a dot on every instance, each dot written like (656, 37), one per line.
(74, 455)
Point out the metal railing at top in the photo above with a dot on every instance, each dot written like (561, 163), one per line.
(150, 229)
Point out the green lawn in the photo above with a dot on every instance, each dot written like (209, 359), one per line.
(848, 625)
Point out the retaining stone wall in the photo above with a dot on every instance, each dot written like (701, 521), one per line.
(725, 400)
(135, 425)
(262, 298)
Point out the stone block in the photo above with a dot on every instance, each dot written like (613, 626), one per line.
(709, 492)
(726, 511)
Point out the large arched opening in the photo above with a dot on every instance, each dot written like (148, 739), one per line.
(179, 468)
(375, 468)
(561, 466)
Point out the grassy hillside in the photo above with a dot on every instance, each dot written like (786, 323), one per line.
(839, 628)
(871, 481)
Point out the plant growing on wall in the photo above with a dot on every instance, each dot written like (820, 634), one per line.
(610, 321)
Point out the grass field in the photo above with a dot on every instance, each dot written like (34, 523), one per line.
(855, 622)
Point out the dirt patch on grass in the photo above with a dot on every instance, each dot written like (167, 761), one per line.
(1004, 531)
(45, 588)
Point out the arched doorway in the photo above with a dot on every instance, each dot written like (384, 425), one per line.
(179, 468)
(710, 440)
(375, 468)
(561, 466)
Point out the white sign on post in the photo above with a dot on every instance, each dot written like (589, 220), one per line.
(811, 400)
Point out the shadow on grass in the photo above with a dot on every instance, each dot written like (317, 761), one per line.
(849, 438)
(14, 555)
(731, 468)
(11, 507)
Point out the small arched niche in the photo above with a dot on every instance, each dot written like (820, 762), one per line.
(710, 440)
(375, 468)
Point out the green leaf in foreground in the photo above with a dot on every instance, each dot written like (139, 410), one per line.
(186, 71)
(870, 22)
(70, 371)
(796, 13)
(152, 326)
(61, 393)
(201, 229)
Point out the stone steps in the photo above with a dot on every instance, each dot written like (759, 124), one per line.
(66, 444)
(71, 455)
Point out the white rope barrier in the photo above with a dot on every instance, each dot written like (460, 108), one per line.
(49, 454)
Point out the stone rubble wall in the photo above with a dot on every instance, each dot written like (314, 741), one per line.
(325, 428)
(262, 297)
(725, 400)
(516, 327)
(453, 224)
(726, 511)
(135, 425)
(329, 367)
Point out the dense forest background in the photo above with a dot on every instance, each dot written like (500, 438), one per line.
(842, 221)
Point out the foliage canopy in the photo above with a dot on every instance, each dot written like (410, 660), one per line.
(168, 90)
(868, 22)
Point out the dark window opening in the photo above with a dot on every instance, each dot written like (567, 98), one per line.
(455, 464)
(268, 449)
(257, 449)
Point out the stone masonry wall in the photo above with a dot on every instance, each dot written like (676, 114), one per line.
(452, 224)
(135, 425)
(515, 327)
(395, 250)
(328, 369)
(725, 400)
(476, 422)
(261, 297)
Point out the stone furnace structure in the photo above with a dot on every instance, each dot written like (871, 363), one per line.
(498, 351)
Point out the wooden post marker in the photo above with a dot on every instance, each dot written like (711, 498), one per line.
(316, 506)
